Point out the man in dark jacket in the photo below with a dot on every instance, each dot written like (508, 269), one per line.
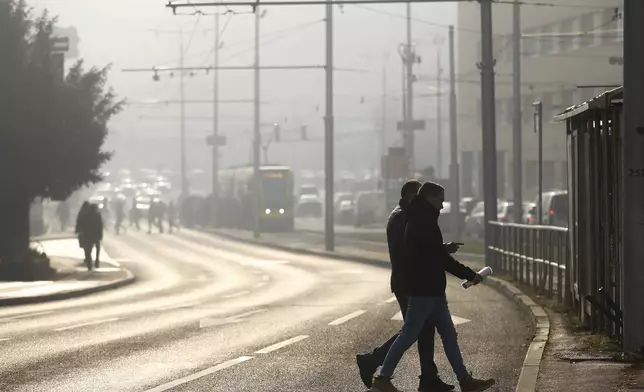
(368, 363)
(424, 264)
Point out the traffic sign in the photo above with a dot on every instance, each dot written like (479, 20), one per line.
(395, 166)
(412, 125)
(60, 44)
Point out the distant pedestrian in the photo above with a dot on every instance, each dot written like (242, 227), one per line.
(425, 261)
(89, 227)
(172, 217)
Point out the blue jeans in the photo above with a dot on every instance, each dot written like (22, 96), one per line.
(428, 368)
(421, 310)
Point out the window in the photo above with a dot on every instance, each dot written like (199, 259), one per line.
(587, 30)
(530, 43)
(510, 110)
(565, 42)
(547, 41)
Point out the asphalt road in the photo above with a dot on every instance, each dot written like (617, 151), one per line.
(207, 314)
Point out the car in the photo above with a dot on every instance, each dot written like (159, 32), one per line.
(554, 208)
(309, 205)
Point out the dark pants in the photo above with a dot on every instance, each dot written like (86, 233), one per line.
(428, 367)
(88, 252)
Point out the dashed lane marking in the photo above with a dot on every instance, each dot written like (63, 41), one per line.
(239, 294)
(180, 306)
(283, 344)
(391, 300)
(195, 376)
(348, 317)
(4, 339)
(455, 319)
(210, 322)
(260, 284)
(26, 315)
(86, 324)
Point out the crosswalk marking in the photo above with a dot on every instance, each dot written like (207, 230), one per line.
(281, 344)
(348, 317)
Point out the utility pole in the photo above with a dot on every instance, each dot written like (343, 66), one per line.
(328, 136)
(256, 135)
(439, 118)
(633, 186)
(454, 171)
(489, 123)
(184, 179)
(215, 126)
(383, 113)
(538, 127)
(517, 144)
(409, 59)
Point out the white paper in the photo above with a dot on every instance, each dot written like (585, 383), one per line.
(485, 271)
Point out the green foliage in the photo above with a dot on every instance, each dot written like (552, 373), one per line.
(52, 127)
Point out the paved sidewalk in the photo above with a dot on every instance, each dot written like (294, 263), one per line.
(573, 363)
(72, 279)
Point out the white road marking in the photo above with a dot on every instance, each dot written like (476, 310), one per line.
(179, 306)
(455, 319)
(348, 317)
(195, 376)
(266, 263)
(239, 294)
(342, 272)
(21, 316)
(122, 260)
(86, 324)
(260, 284)
(4, 339)
(204, 323)
(391, 300)
(285, 343)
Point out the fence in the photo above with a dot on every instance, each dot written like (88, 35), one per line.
(580, 266)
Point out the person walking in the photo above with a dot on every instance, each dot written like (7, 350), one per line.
(368, 363)
(89, 228)
(172, 217)
(425, 262)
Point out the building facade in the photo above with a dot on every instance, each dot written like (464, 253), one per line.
(568, 54)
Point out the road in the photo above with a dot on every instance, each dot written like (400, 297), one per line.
(208, 314)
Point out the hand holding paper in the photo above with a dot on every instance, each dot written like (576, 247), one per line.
(486, 271)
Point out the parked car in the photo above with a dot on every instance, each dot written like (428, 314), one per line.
(554, 208)
(445, 218)
(475, 221)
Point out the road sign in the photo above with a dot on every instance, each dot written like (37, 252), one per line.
(60, 44)
(412, 125)
(221, 140)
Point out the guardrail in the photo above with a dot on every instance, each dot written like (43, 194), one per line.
(535, 255)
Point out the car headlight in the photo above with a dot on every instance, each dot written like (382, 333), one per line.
(267, 211)
(281, 211)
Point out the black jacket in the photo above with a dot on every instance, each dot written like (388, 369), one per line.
(395, 240)
(425, 258)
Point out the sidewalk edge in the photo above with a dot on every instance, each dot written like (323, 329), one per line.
(532, 363)
(128, 279)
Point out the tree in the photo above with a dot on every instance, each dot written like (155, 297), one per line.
(52, 127)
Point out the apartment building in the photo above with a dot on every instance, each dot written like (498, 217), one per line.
(570, 52)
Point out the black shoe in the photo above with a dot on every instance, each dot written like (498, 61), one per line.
(434, 385)
(367, 368)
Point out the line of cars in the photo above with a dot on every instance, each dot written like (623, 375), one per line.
(554, 212)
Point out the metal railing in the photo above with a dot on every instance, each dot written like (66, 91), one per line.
(538, 256)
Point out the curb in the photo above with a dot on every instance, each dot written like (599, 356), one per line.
(129, 279)
(530, 370)
(532, 363)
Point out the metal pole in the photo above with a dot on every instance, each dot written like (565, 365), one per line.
(409, 62)
(517, 119)
(454, 171)
(489, 124)
(383, 114)
(256, 135)
(328, 135)
(538, 122)
(184, 179)
(453, 144)
(215, 126)
(439, 129)
(633, 186)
